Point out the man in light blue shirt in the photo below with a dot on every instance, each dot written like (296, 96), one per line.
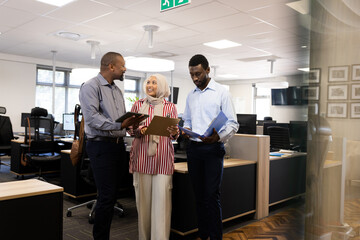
(205, 155)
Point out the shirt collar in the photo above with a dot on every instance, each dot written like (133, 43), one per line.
(102, 80)
(211, 86)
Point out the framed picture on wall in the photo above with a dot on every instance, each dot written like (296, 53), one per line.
(337, 92)
(356, 72)
(313, 108)
(355, 91)
(339, 74)
(355, 110)
(310, 93)
(336, 110)
(314, 75)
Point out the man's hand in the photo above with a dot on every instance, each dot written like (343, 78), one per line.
(185, 136)
(132, 121)
(211, 139)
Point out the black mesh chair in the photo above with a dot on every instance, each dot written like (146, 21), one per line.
(6, 134)
(279, 138)
(40, 149)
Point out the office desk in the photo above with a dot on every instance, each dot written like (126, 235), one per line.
(238, 194)
(20, 170)
(76, 187)
(287, 177)
(72, 182)
(31, 209)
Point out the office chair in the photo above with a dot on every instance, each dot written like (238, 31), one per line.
(85, 171)
(6, 134)
(86, 174)
(40, 149)
(279, 138)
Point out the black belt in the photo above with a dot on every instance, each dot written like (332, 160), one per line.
(198, 143)
(107, 139)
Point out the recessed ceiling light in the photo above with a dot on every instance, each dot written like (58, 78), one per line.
(303, 46)
(222, 44)
(57, 3)
(68, 35)
(162, 54)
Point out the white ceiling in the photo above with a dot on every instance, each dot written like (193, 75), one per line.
(265, 28)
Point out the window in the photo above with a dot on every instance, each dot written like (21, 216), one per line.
(67, 86)
(262, 102)
(66, 90)
(131, 88)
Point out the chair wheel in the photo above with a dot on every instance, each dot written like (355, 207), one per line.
(68, 213)
(92, 219)
(121, 214)
(89, 205)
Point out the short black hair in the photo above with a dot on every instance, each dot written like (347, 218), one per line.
(199, 59)
(109, 58)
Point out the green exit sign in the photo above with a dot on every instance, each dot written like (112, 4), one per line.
(169, 4)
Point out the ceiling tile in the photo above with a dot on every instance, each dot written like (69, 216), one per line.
(194, 15)
(14, 18)
(43, 25)
(80, 11)
(33, 6)
(120, 17)
(226, 22)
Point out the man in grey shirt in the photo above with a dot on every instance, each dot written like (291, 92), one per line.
(102, 102)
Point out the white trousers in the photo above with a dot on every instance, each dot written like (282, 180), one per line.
(153, 203)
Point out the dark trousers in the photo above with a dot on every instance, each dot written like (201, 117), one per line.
(105, 159)
(205, 165)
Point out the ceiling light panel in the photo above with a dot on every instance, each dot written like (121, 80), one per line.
(57, 3)
(222, 44)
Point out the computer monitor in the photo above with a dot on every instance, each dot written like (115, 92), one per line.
(24, 116)
(68, 122)
(268, 124)
(247, 123)
(176, 94)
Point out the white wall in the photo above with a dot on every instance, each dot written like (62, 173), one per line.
(242, 94)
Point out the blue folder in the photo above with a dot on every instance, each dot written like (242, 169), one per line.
(216, 123)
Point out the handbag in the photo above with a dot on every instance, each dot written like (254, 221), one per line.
(77, 145)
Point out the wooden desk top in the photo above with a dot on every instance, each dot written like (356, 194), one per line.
(26, 188)
(19, 140)
(66, 151)
(181, 167)
(331, 163)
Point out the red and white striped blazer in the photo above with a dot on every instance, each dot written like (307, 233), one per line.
(163, 161)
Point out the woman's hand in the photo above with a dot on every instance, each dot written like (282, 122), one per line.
(143, 130)
(173, 130)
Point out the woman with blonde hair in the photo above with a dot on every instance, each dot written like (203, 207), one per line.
(152, 162)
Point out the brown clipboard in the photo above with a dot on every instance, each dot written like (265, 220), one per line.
(158, 126)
